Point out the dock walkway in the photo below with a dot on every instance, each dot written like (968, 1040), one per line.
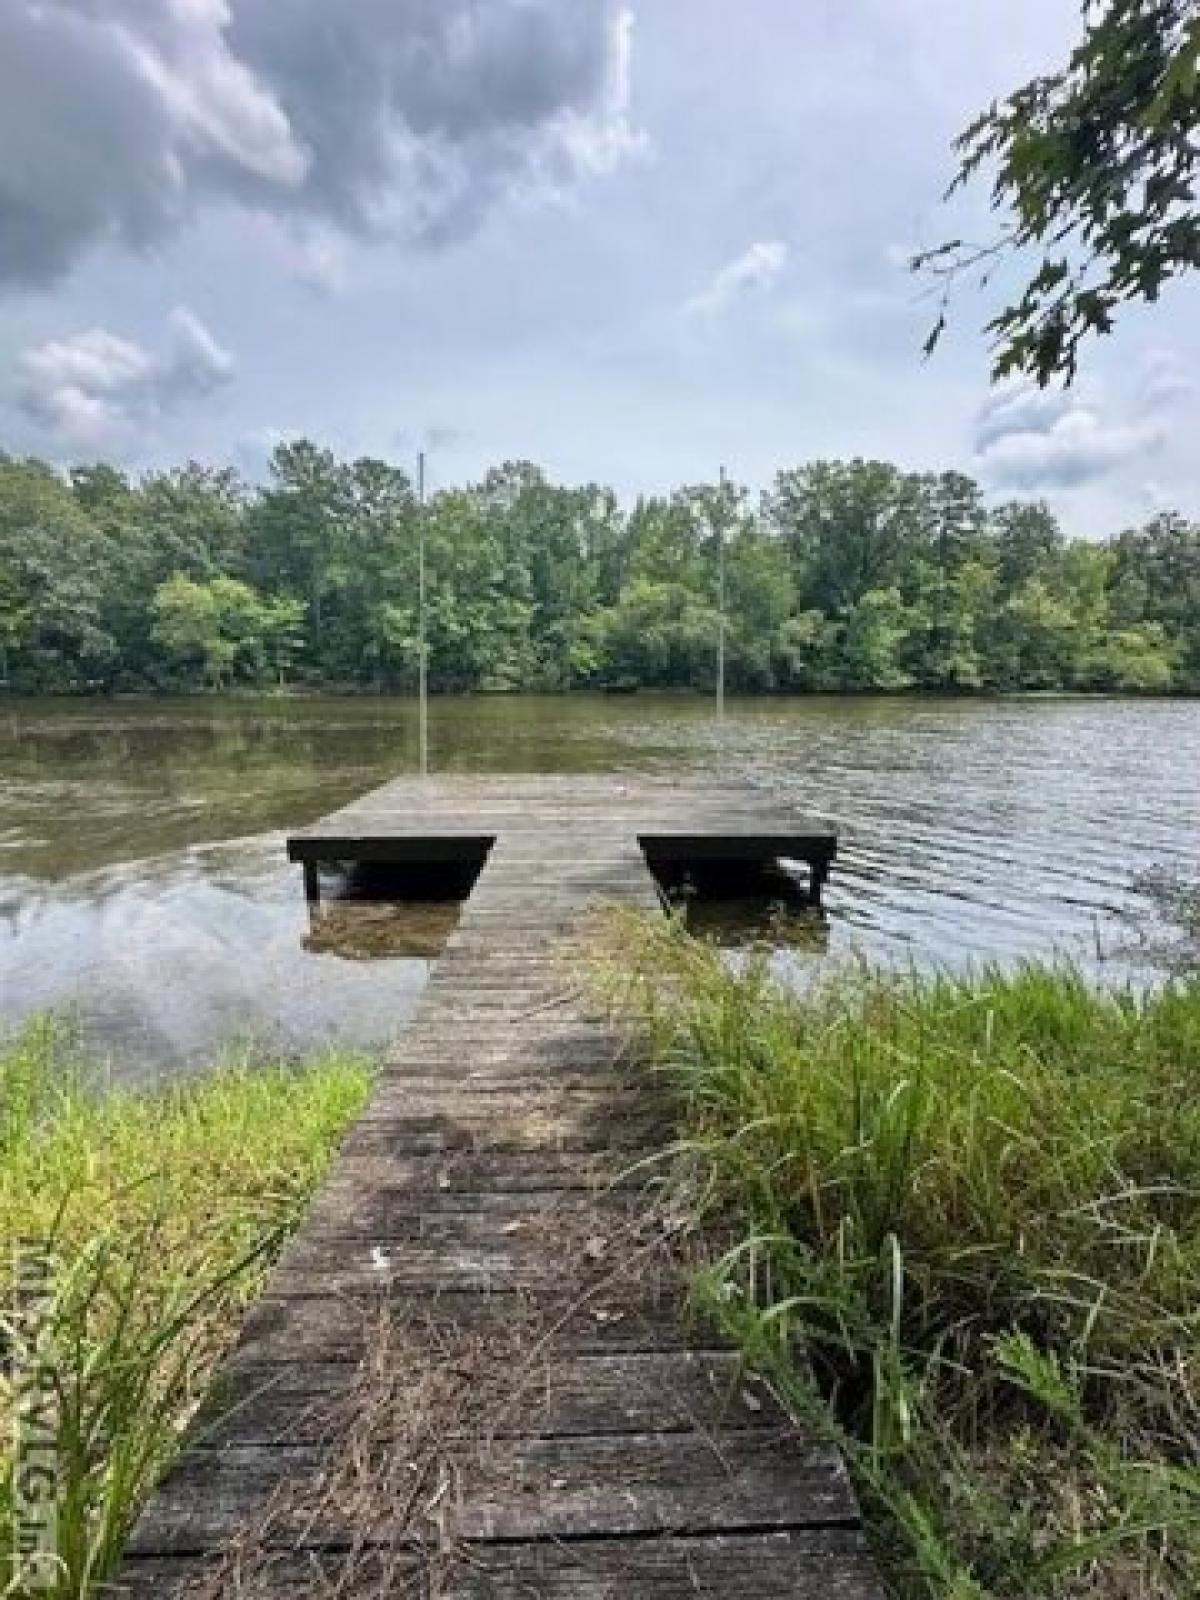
(470, 1376)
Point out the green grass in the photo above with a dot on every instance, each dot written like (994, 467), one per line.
(161, 1212)
(957, 1221)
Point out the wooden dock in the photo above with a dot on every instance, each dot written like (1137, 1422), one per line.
(470, 1376)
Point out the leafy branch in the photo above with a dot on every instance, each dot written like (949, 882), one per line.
(1094, 169)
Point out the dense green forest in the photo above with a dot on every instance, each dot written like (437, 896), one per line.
(847, 576)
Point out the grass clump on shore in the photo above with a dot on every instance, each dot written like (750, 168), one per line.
(957, 1221)
(145, 1222)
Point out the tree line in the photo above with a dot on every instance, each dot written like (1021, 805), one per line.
(847, 575)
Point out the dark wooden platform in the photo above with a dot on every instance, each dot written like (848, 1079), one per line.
(471, 1375)
(458, 818)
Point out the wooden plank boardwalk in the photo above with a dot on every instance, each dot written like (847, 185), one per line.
(470, 1375)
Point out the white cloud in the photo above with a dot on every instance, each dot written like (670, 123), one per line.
(1042, 439)
(600, 141)
(757, 267)
(1031, 438)
(96, 390)
(1019, 407)
(1074, 450)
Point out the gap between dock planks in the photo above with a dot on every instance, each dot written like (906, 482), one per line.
(470, 1375)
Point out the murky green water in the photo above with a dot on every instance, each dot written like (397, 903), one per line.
(142, 879)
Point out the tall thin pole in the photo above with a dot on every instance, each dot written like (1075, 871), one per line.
(721, 600)
(423, 654)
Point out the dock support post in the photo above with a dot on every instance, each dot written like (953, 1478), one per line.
(312, 883)
(818, 876)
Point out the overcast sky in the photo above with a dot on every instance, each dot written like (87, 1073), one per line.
(629, 242)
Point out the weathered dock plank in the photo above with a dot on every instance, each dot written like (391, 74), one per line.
(569, 1394)
(523, 1487)
(804, 1564)
(319, 1327)
(471, 1373)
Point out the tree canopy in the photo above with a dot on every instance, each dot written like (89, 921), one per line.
(1094, 169)
(848, 575)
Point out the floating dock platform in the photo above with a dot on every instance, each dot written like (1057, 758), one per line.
(458, 819)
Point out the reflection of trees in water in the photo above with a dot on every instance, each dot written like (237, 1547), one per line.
(760, 921)
(1166, 925)
(740, 903)
(972, 828)
(384, 910)
(86, 787)
(363, 930)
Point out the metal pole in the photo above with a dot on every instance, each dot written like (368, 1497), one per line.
(423, 661)
(721, 600)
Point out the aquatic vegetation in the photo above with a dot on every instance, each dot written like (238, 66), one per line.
(1167, 925)
(956, 1221)
(150, 1220)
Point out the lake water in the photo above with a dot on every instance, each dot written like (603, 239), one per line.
(143, 885)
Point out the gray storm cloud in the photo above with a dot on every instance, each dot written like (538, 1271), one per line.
(119, 118)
